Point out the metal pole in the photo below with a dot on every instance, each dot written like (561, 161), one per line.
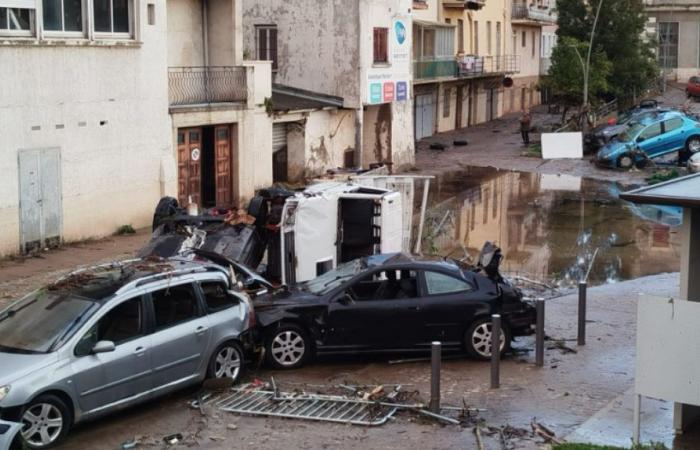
(495, 351)
(588, 57)
(539, 338)
(582, 287)
(435, 362)
(637, 428)
(419, 238)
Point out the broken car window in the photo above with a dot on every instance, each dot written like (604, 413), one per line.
(438, 283)
(385, 285)
(123, 323)
(334, 278)
(217, 297)
(174, 305)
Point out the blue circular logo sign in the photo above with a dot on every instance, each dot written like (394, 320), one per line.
(400, 32)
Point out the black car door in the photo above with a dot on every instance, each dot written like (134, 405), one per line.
(380, 310)
(450, 302)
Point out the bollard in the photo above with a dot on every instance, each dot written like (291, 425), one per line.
(435, 363)
(582, 286)
(495, 351)
(539, 333)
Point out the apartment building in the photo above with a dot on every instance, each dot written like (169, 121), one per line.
(671, 23)
(474, 61)
(107, 105)
(355, 50)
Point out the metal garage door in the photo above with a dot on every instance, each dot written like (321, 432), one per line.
(279, 136)
(425, 115)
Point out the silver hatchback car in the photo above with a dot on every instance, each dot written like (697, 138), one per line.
(111, 336)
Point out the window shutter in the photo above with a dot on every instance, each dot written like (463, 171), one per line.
(272, 37)
(375, 43)
(262, 44)
(385, 44)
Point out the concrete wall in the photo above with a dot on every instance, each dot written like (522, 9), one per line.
(494, 11)
(529, 64)
(317, 141)
(317, 43)
(105, 105)
(185, 35)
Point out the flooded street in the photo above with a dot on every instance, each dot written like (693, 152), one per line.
(550, 226)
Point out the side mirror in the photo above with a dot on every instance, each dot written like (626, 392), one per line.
(103, 347)
(640, 139)
(345, 299)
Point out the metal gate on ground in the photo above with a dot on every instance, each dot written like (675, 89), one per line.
(425, 115)
(40, 207)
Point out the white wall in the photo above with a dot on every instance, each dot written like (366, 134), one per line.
(185, 38)
(111, 173)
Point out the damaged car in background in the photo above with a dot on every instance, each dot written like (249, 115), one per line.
(392, 303)
(107, 337)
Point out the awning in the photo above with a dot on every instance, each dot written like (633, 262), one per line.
(684, 192)
(23, 4)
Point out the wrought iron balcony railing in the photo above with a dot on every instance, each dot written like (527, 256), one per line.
(533, 13)
(204, 85)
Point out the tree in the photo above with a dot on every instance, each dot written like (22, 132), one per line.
(566, 72)
(618, 35)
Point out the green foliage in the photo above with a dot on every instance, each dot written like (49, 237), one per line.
(660, 177)
(125, 229)
(566, 72)
(618, 36)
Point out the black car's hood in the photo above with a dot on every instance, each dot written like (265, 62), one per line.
(287, 296)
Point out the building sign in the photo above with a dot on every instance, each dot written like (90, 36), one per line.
(386, 84)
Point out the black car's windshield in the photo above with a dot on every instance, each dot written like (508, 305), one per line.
(630, 132)
(42, 320)
(334, 278)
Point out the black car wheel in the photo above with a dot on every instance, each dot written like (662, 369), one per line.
(625, 161)
(477, 339)
(227, 362)
(287, 347)
(45, 421)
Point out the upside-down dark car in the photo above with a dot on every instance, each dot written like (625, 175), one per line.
(392, 303)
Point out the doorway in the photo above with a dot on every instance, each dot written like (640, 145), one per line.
(358, 235)
(205, 165)
(40, 207)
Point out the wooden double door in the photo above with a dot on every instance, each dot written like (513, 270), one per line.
(205, 165)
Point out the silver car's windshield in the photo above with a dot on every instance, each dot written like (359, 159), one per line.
(334, 278)
(43, 320)
(630, 132)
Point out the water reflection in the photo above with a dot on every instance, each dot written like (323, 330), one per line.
(550, 226)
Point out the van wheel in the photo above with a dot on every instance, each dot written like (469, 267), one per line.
(45, 422)
(477, 339)
(625, 162)
(287, 347)
(227, 362)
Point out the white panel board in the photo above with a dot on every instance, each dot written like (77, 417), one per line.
(316, 233)
(554, 182)
(668, 345)
(562, 145)
(24, 4)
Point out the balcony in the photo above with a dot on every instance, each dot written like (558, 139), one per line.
(465, 67)
(473, 5)
(429, 69)
(533, 14)
(206, 85)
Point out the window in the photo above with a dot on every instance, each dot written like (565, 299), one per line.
(488, 37)
(385, 285)
(476, 37)
(266, 44)
(523, 40)
(217, 297)
(448, 20)
(673, 124)
(668, 45)
(651, 131)
(498, 38)
(111, 16)
(63, 15)
(16, 21)
(380, 43)
(174, 305)
(446, 102)
(438, 283)
(122, 324)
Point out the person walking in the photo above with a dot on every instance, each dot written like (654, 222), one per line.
(525, 125)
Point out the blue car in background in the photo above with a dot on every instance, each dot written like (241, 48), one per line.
(652, 137)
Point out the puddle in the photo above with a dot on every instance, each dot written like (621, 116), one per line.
(549, 226)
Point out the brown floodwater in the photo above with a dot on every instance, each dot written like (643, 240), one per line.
(549, 226)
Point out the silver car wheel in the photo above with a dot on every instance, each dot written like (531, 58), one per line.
(43, 424)
(481, 339)
(227, 363)
(694, 145)
(288, 348)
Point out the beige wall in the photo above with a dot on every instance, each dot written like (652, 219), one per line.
(185, 36)
(529, 55)
(105, 105)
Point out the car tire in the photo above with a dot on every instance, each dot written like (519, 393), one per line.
(45, 422)
(625, 162)
(477, 339)
(227, 362)
(287, 347)
(692, 145)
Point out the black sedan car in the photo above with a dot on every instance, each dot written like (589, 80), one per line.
(391, 303)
